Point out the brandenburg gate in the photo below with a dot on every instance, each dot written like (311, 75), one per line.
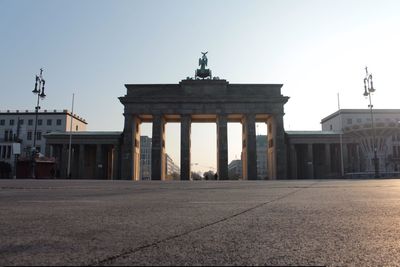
(204, 99)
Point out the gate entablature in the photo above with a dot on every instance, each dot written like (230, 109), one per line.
(203, 97)
(209, 118)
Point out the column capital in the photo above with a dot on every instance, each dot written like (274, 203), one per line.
(185, 115)
(249, 115)
(222, 117)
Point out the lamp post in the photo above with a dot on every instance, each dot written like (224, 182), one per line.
(368, 90)
(39, 91)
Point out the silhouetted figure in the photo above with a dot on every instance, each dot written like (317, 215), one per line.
(216, 176)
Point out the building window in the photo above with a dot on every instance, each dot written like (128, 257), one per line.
(38, 149)
(76, 128)
(359, 120)
(11, 122)
(2, 122)
(40, 122)
(49, 122)
(6, 135)
(30, 122)
(39, 136)
(349, 121)
(330, 127)
(59, 122)
(29, 136)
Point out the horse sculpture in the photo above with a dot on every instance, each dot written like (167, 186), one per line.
(203, 72)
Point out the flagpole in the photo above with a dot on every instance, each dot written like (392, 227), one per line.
(70, 139)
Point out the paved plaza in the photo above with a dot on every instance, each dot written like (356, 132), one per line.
(302, 222)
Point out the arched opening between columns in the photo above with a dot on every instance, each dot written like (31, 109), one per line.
(172, 149)
(203, 148)
(145, 150)
(235, 151)
(262, 150)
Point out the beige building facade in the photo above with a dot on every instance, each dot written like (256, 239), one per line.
(18, 126)
(358, 133)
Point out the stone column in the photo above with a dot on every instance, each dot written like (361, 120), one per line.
(249, 152)
(74, 161)
(277, 147)
(357, 151)
(130, 158)
(158, 148)
(222, 147)
(345, 158)
(64, 161)
(99, 162)
(293, 162)
(115, 163)
(310, 162)
(328, 167)
(81, 166)
(186, 121)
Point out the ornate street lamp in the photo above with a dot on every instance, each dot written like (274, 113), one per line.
(39, 91)
(368, 90)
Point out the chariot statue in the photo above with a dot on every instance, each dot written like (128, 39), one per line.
(203, 72)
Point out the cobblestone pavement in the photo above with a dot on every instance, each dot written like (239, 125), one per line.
(303, 222)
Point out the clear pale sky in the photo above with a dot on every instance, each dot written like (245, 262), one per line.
(92, 48)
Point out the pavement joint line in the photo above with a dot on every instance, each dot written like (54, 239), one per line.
(155, 243)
